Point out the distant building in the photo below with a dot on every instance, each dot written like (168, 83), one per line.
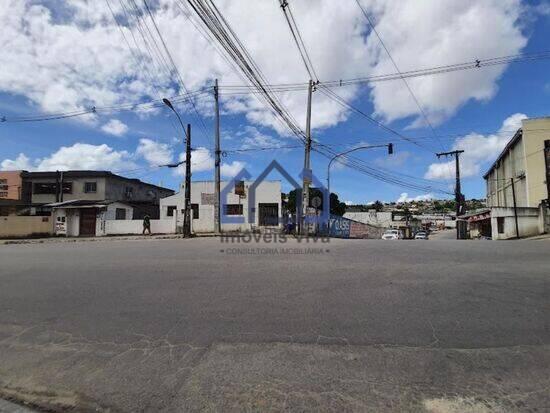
(266, 209)
(522, 172)
(15, 192)
(30, 192)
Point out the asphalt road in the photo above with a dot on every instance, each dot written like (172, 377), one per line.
(350, 325)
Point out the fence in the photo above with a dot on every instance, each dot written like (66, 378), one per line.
(25, 226)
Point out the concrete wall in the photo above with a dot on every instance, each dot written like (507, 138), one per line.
(25, 226)
(158, 226)
(266, 192)
(341, 227)
(380, 219)
(528, 222)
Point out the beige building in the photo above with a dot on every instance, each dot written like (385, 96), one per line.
(517, 183)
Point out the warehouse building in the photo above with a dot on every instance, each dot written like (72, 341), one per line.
(518, 183)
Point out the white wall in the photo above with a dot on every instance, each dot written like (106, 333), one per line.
(125, 227)
(266, 192)
(528, 222)
(379, 219)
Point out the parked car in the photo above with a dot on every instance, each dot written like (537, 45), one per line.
(392, 234)
(421, 235)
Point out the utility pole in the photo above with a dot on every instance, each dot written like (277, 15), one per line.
(187, 215)
(515, 206)
(61, 188)
(57, 186)
(459, 198)
(307, 164)
(217, 203)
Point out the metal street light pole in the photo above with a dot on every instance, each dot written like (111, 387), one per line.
(388, 145)
(187, 133)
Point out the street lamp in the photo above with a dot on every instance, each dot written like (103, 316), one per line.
(187, 133)
(390, 152)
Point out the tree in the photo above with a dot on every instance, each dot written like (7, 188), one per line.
(336, 207)
(378, 206)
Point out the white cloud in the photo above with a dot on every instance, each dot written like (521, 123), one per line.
(78, 156)
(155, 153)
(75, 57)
(19, 163)
(201, 160)
(424, 34)
(231, 169)
(349, 202)
(251, 137)
(115, 127)
(404, 198)
(478, 151)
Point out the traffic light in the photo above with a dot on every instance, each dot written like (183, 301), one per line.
(390, 148)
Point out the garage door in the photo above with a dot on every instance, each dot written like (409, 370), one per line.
(269, 215)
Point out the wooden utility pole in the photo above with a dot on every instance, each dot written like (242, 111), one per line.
(307, 163)
(459, 198)
(187, 215)
(217, 179)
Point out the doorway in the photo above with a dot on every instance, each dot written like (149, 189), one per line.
(87, 221)
(268, 215)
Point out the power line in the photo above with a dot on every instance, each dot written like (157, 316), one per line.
(338, 99)
(181, 83)
(295, 31)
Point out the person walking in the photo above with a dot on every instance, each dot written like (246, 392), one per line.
(146, 224)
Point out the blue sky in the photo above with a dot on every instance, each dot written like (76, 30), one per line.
(47, 71)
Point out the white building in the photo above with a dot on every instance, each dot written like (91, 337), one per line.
(266, 211)
(87, 218)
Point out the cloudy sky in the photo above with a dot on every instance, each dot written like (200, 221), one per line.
(67, 56)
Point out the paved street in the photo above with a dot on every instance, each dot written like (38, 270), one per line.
(353, 325)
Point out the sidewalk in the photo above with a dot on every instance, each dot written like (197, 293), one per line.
(56, 240)
(537, 238)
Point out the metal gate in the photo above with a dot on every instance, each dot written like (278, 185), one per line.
(269, 215)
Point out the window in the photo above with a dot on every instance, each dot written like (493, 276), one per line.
(50, 188)
(233, 209)
(129, 192)
(120, 213)
(44, 188)
(195, 209)
(500, 225)
(90, 187)
(170, 210)
(3, 188)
